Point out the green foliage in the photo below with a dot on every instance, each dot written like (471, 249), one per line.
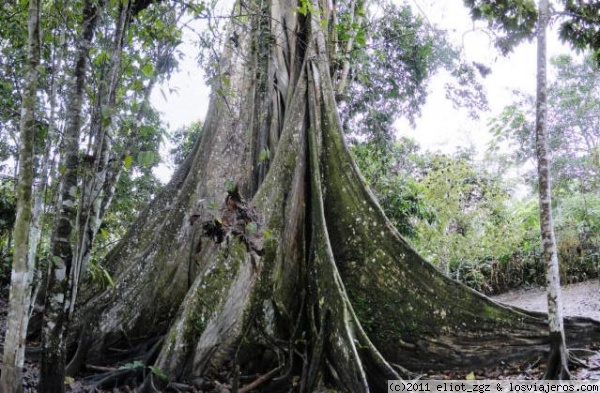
(524, 265)
(162, 374)
(8, 205)
(390, 70)
(13, 35)
(464, 220)
(183, 140)
(139, 365)
(148, 70)
(580, 29)
(515, 21)
(464, 88)
(134, 191)
(128, 161)
(393, 57)
(136, 364)
(146, 159)
(512, 21)
(578, 235)
(573, 126)
(305, 7)
(140, 144)
(99, 275)
(472, 226)
(390, 173)
(573, 132)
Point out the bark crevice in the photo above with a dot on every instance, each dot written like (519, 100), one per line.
(337, 297)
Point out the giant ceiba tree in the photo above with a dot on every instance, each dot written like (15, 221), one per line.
(285, 266)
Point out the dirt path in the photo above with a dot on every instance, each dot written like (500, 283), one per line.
(581, 299)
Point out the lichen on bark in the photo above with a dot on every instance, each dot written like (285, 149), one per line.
(338, 298)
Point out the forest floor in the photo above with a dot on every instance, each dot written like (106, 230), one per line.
(581, 299)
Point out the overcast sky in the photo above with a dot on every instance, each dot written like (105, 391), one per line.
(441, 126)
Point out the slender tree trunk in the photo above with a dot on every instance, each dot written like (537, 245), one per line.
(100, 184)
(557, 367)
(95, 178)
(61, 272)
(42, 181)
(23, 265)
(344, 72)
(44, 198)
(303, 269)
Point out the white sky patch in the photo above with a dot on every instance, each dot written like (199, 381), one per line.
(444, 128)
(184, 97)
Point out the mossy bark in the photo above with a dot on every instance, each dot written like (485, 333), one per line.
(337, 298)
(63, 271)
(23, 265)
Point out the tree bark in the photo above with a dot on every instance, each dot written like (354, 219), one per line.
(61, 271)
(100, 175)
(23, 265)
(333, 293)
(557, 367)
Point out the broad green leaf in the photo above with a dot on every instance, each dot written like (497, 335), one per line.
(148, 70)
(162, 374)
(146, 130)
(146, 158)
(128, 161)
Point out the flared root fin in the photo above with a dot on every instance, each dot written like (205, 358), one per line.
(160, 257)
(337, 298)
(416, 316)
(215, 317)
(557, 367)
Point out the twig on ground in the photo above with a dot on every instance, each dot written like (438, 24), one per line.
(259, 381)
(100, 368)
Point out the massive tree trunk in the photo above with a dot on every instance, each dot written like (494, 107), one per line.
(309, 278)
(23, 263)
(557, 367)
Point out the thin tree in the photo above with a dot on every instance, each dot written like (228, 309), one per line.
(23, 264)
(88, 184)
(557, 367)
(61, 272)
(517, 20)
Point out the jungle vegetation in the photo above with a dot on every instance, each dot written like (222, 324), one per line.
(299, 244)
